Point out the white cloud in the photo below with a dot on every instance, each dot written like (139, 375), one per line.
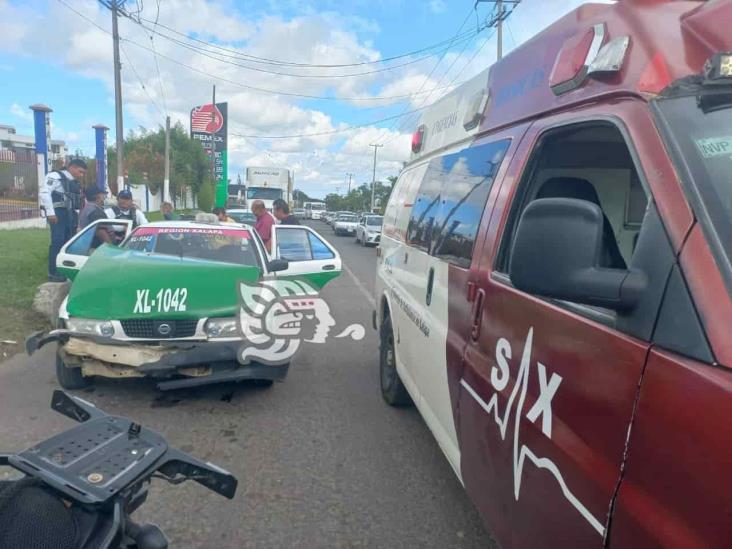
(437, 6)
(20, 112)
(317, 35)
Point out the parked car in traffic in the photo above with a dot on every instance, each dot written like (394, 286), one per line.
(164, 304)
(345, 223)
(554, 281)
(368, 230)
(242, 215)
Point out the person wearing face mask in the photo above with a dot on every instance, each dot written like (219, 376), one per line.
(125, 209)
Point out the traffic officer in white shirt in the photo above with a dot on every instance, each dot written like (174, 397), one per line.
(125, 209)
(60, 198)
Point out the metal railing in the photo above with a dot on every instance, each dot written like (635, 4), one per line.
(18, 184)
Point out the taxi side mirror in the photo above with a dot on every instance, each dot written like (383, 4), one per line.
(275, 265)
(556, 253)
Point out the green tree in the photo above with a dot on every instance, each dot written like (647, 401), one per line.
(190, 167)
(206, 196)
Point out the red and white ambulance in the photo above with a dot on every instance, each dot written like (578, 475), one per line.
(554, 280)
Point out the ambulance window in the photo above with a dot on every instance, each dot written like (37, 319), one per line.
(451, 199)
(589, 161)
(468, 178)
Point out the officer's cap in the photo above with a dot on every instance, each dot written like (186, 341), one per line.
(125, 194)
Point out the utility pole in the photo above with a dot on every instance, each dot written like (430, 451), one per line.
(166, 179)
(350, 175)
(120, 134)
(499, 30)
(213, 149)
(373, 179)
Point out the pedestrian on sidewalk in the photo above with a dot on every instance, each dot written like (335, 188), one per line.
(60, 198)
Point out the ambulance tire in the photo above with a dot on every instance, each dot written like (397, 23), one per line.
(392, 389)
(70, 378)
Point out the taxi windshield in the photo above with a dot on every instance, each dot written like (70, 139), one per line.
(699, 133)
(211, 244)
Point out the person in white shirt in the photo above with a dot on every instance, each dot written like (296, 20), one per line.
(125, 209)
(60, 198)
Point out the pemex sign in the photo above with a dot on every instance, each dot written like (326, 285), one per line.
(209, 126)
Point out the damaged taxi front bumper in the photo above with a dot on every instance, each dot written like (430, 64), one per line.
(201, 361)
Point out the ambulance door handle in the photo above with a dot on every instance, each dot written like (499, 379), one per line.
(477, 314)
(430, 284)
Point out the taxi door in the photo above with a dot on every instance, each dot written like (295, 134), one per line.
(74, 254)
(309, 256)
(548, 387)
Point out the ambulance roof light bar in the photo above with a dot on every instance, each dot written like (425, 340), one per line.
(418, 139)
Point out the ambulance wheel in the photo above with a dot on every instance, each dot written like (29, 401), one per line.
(70, 378)
(392, 388)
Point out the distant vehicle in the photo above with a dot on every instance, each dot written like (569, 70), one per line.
(267, 185)
(242, 215)
(314, 210)
(300, 213)
(368, 231)
(345, 223)
(327, 217)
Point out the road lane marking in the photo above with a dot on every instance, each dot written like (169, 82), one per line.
(359, 285)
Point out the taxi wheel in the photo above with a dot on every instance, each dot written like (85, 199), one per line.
(392, 388)
(70, 378)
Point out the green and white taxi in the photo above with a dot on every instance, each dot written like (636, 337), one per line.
(164, 303)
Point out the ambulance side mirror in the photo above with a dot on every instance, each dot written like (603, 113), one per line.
(556, 252)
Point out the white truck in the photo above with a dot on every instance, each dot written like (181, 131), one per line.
(267, 185)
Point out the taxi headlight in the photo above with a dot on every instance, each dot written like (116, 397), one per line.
(90, 326)
(222, 327)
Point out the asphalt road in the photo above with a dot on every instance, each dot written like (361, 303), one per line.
(321, 460)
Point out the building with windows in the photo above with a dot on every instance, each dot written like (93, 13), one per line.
(11, 142)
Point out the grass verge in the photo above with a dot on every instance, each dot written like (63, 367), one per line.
(23, 267)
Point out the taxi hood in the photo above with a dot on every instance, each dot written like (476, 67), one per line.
(121, 284)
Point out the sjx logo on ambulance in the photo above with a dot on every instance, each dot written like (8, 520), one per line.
(548, 385)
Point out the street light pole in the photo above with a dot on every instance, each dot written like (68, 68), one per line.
(373, 179)
(350, 175)
(499, 47)
(120, 134)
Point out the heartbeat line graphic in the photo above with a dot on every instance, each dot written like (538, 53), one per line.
(521, 451)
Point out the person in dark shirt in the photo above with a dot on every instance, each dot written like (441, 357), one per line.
(281, 211)
(94, 210)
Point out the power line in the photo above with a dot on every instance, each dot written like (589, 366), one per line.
(265, 60)
(142, 84)
(227, 58)
(219, 78)
(328, 132)
(424, 82)
(155, 56)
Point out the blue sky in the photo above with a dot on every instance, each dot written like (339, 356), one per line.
(51, 55)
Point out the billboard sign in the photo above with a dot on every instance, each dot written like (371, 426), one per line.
(209, 126)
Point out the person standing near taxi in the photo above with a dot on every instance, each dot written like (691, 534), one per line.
(125, 209)
(281, 211)
(264, 223)
(60, 198)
